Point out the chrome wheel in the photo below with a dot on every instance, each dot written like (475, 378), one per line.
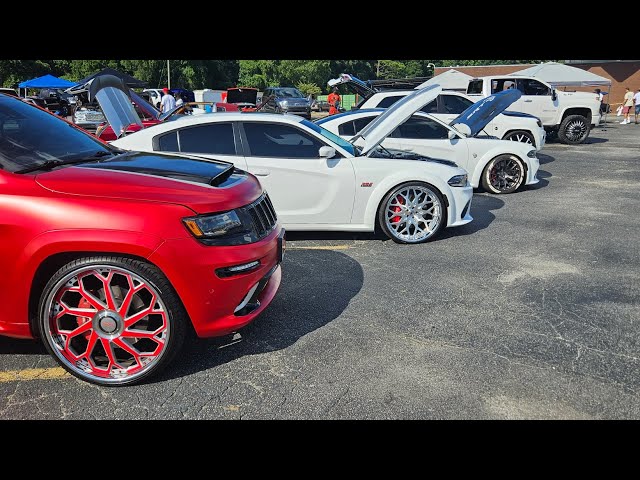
(412, 213)
(106, 324)
(522, 137)
(504, 174)
(576, 130)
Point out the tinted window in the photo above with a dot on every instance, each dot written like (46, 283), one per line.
(279, 140)
(500, 84)
(532, 87)
(387, 102)
(347, 128)
(211, 139)
(455, 104)
(417, 127)
(431, 107)
(360, 123)
(475, 86)
(168, 142)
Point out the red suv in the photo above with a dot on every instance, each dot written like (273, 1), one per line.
(110, 256)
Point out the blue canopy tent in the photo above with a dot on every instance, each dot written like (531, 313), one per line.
(46, 81)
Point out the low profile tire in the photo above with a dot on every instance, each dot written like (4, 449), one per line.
(111, 320)
(574, 129)
(503, 174)
(521, 136)
(412, 212)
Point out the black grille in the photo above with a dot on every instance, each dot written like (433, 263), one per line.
(263, 216)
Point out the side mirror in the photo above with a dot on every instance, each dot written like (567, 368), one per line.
(554, 95)
(451, 134)
(327, 152)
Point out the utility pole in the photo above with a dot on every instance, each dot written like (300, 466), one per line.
(168, 76)
(378, 70)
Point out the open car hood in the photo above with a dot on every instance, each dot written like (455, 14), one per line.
(242, 95)
(353, 83)
(382, 126)
(478, 115)
(113, 96)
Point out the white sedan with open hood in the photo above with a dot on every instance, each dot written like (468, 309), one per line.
(500, 166)
(319, 181)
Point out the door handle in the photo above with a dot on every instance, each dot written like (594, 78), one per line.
(261, 172)
(528, 101)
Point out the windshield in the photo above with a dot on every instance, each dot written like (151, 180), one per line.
(289, 92)
(341, 142)
(30, 137)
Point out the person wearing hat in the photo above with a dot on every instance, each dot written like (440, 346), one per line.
(168, 102)
(334, 101)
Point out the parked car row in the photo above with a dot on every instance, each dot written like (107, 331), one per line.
(178, 224)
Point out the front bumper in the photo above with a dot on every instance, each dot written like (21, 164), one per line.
(533, 165)
(459, 212)
(214, 304)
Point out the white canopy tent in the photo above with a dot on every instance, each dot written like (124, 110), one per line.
(450, 80)
(560, 75)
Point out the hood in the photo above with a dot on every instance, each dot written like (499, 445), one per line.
(354, 84)
(476, 117)
(201, 185)
(113, 96)
(382, 126)
(242, 95)
(149, 110)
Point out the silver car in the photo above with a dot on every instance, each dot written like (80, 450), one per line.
(285, 100)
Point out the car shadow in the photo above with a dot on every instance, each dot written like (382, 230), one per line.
(543, 176)
(16, 346)
(545, 158)
(317, 286)
(482, 206)
(589, 141)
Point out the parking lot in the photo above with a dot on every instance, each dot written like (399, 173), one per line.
(529, 312)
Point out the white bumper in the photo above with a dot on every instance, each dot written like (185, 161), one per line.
(459, 205)
(533, 165)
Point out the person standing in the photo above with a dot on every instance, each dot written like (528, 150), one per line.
(179, 100)
(636, 99)
(627, 104)
(334, 101)
(167, 102)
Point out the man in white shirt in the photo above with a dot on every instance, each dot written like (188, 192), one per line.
(167, 102)
(636, 99)
(179, 100)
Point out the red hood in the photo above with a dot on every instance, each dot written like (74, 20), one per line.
(191, 182)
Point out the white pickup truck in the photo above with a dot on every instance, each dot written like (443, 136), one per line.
(570, 115)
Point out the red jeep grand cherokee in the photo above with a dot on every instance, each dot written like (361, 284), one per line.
(110, 256)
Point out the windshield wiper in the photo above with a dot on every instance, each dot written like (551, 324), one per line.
(50, 164)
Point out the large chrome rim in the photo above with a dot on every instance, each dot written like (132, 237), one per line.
(505, 174)
(106, 323)
(576, 130)
(520, 137)
(413, 214)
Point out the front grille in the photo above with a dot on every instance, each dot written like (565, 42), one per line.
(263, 216)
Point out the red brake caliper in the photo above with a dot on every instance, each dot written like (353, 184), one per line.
(83, 303)
(397, 209)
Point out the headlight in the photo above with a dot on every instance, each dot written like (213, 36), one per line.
(283, 103)
(531, 154)
(214, 226)
(458, 180)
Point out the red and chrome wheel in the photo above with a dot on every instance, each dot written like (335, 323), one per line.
(111, 320)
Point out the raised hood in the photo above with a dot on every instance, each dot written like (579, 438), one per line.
(113, 96)
(201, 185)
(242, 95)
(382, 126)
(353, 83)
(478, 115)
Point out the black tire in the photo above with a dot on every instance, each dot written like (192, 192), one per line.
(498, 175)
(522, 136)
(422, 193)
(139, 350)
(574, 129)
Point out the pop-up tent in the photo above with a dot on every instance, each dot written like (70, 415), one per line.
(560, 75)
(450, 80)
(46, 81)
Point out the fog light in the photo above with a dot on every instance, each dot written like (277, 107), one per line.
(237, 269)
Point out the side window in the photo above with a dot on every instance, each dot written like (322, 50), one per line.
(431, 107)
(455, 104)
(529, 86)
(420, 128)
(388, 101)
(280, 140)
(360, 123)
(500, 84)
(347, 128)
(211, 139)
(167, 142)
